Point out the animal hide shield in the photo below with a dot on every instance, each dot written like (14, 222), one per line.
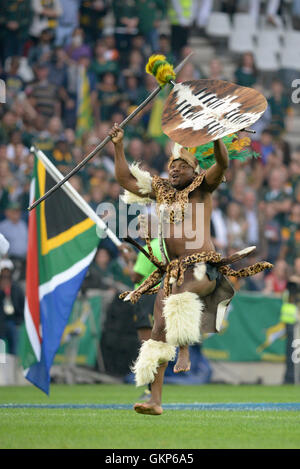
(200, 111)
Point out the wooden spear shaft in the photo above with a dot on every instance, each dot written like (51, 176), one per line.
(106, 140)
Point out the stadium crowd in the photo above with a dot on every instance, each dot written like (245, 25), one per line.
(47, 46)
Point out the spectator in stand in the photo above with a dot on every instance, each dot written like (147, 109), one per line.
(58, 69)
(15, 231)
(78, 47)
(270, 233)
(15, 19)
(92, 13)
(43, 93)
(136, 127)
(136, 64)
(189, 72)
(126, 25)
(109, 41)
(108, 95)
(67, 22)
(281, 110)
(62, 155)
(181, 17)
(17, 154)
(272, 10)
(276, 281)
(164, 47)
(246, 73)
(13, 82)
(202, 9)
(42, 50)
(107, 273)
(150, 13)
(291, 236)
(98, 193)
(104, 61)
(135, 150)
(132, 88)
(46, 15)
(237, 226)
(279, 194)
(264, 146)
(11, 306)
(216, 70)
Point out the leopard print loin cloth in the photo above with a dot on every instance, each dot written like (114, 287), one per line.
(175, 269)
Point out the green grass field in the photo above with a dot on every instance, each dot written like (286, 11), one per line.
(175, 429)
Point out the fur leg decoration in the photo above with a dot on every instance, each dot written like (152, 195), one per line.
(152, 354)
(182, 313)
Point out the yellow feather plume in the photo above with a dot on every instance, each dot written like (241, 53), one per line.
(152, 60)
(165, 73)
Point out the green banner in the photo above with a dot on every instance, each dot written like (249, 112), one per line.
(81, 338)
(252, 331)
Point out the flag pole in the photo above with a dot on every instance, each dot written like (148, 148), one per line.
(75, 196)
(107, 139)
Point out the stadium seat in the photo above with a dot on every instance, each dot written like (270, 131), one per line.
(291, 39)
(241, 42)
(269, 39)
(244, 22)
(219, 25)
(290, 58)
(266, 60)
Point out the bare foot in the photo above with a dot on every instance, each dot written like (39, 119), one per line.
(183, 361)
(148, 408)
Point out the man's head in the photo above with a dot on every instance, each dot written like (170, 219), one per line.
(102, 258)
(135, 149)
(183, 167)
(276, 179)
(13, 212)
(6, 269)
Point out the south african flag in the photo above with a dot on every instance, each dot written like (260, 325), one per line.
(62, 243)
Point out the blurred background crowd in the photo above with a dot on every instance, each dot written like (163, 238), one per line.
(74, 67)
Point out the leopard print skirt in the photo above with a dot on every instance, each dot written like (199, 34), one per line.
(174, 273)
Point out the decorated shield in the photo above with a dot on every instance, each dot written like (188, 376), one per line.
(200, 111)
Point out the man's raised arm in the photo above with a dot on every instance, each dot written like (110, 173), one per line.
(214, 175)
(122, 171)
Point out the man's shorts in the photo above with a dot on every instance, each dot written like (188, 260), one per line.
(143, 312)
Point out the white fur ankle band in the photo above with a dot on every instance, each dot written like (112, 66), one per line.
(182, 313)
(152, 354)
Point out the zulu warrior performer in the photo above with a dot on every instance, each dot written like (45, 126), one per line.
(195, 290)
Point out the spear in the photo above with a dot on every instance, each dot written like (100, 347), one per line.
(108, 138)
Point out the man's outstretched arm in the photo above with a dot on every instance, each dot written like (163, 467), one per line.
(122, 171)
(215, 174)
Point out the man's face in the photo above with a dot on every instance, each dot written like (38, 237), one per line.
(13, 215)
(181, 174)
